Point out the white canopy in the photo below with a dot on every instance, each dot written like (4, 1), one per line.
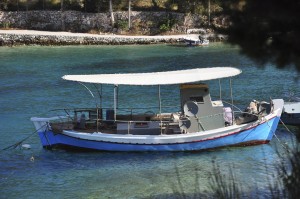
(158, 78)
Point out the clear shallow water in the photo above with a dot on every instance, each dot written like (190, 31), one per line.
(31, 85)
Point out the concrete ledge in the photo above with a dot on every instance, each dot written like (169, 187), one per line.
(31, 37)
(27, 37)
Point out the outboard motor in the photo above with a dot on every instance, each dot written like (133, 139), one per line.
(254, 111)
(264, 108)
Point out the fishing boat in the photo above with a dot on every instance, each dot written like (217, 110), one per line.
(195, 41)
(200, 123)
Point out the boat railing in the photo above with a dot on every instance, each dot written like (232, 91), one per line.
(108, 112)
(86, 118)
(232, 106)
(154, 126)
(131, 119)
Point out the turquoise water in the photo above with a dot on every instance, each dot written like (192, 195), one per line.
(31, 85)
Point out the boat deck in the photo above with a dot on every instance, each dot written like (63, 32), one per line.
(153, 126)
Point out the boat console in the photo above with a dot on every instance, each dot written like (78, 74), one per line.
(200, 113)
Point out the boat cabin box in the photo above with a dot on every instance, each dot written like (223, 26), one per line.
(201, 113)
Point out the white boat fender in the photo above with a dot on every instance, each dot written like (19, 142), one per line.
(175, 117)
(32, 159)
(26, 146)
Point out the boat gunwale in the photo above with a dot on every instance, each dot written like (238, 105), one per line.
(243, 127)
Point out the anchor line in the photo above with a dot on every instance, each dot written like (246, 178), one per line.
(46, 135)
(21, 141)
(282, 145)
(286, 127)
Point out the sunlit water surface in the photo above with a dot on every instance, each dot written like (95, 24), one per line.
(31, 85)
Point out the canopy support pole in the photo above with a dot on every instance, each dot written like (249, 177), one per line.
(231, 95)
(101, 100)
(115, 101)
(97, 108)
(98, 119)
(159, 99)
(220, 86)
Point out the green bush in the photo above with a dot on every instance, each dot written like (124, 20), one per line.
(167, 23)
(122, 24)
(5, 25)
(164, 27)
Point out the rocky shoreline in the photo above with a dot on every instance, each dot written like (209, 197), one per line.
(8, 39)
(27, 37)
(43, 27)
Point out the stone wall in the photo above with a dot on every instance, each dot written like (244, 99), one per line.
(56, 20)
(143, 23)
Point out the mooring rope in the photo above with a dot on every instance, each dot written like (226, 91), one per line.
(21, 141)
(286, 127)
(274, 132)
(282, 145)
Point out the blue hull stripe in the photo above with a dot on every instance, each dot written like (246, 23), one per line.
(260, 134)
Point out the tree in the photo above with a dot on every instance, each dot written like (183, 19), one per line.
(129, 14)
(62, 15)
(27, 6)
(62, 5)
(18, 5)
(111, 13)
(3, 5)
(208, 12)
(266, 31)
